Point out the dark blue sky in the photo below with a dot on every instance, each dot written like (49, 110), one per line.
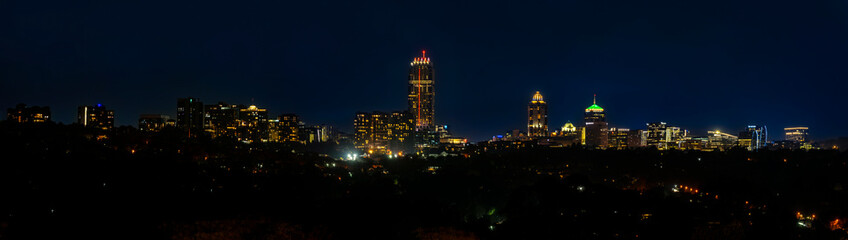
(696, 64)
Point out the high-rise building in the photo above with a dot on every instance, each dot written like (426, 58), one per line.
(153, 122)
(28, 114)
(662, 136)
(253, 124)
(618, 138)
(420, 99)
(797, 134)
(635, 138)
(401, 132)
(753, 137)
(371, 133)
(719, 141)
(96, 116)
(537, 116)
(596, 126)
(316, 133)
(220, 119)
(190, 115)
(289, 127)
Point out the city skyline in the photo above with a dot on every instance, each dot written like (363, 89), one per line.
(181, 103)
(439, 119)
(685, 72)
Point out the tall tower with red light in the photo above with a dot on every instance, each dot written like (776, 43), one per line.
(421, 93)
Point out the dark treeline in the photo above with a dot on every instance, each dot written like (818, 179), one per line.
(61, 181)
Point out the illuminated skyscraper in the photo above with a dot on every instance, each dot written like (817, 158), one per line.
(537, 116)
(288, 127)
(662, 136)
(190, 115)
(28, 114)
(797, 134)
(96, 116)
(371, 133)
(253, 124)
(753, 138)
(220, 119)
(596, 126)
(420, 99)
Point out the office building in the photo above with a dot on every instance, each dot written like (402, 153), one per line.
(719, 141)
(252, 125)
(596, 126)
(371, 133)
(797, 134)
(537, 117)
(190, 115)
(220, 120)
(753, 138)
(619, 138)
(288, 127)
(662, 136)
(96, 116)
(401, 132)
(28, 114)
(635, 138)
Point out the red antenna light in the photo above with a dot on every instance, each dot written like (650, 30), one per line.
(423, 53)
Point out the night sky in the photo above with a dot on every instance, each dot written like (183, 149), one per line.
(696, 64)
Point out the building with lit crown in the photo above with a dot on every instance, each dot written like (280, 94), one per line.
(28, 114)
(96, 116)
(253, 124)
(596, 126)
(537, 116)
(420, 99)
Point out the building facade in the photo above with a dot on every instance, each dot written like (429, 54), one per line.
(220, 119)
(96, 116)
(401, 132)
(288, 127)
(797, 134)
(720, 141)
(371, 133)
(190, 115)
(154, 122)
(253, 125)
(537, 116)
(619, 138)
(753, 138)
(28, 114)
(662, 136)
